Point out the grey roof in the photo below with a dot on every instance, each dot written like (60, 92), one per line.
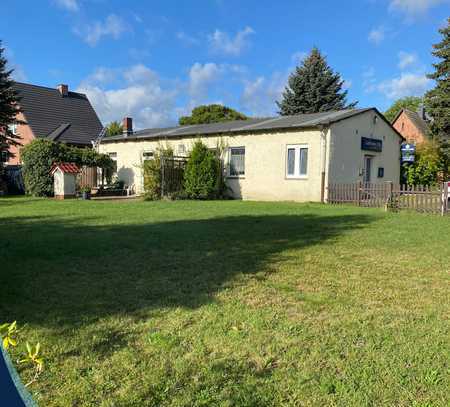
(69, 119)
(241, 126)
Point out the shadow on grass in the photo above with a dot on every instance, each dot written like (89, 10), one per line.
(63, 273)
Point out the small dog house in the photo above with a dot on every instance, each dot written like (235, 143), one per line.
(64, 180)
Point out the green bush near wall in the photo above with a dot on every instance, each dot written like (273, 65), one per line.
(202, 177)
(39, 156)
(153, 175)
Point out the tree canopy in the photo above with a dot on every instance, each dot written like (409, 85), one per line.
(114, 129)
(211, 114)
(408, 102)
(314, 87)
(437, 100)
(9, 108)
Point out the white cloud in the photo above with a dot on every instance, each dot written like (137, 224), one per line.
(18, 70)
(347, 84)
(406, 59)
(259, 96)
(222, 43)
(298, 57)
(201, 76)
(377, 35)
(143, 97)
(187, 39)
(414, 8)
(113, 26)
(369, 82)
(70, 5)
(407, 84)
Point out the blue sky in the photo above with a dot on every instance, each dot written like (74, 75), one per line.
(155, 60)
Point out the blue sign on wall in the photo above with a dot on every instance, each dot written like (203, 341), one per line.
(408, 153)
(371, 144)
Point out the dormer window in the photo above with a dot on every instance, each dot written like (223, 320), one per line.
(13, 128)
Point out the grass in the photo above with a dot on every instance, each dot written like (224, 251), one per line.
(228, 303)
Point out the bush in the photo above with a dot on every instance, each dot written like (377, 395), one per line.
(427, 166)
(39, 156)
(202, 177)
(152, 174)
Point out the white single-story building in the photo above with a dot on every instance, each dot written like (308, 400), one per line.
(281, 158)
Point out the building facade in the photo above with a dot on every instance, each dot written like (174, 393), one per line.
(286, 158)
(55, 114)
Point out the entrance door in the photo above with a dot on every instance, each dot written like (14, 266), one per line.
(367, 168)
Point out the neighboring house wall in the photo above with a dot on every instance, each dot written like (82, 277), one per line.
(26, 137)
(406, 127)
(335, 150)
(346, 159)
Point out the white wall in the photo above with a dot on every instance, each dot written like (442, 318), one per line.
(265, 163)
(64, 184)
(337, 150)
(346, 158)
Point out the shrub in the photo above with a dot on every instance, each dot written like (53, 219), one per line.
(39, 156)
(202, 177)
(152, 174)
(427, 166)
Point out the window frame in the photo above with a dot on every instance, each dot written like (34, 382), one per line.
(229, 175)
(297, 164)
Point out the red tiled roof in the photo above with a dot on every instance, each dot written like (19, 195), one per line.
(68, 168)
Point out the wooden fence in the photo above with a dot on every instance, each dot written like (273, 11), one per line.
(391, 196)
(88, 177)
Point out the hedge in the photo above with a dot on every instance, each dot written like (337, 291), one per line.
(39, 156)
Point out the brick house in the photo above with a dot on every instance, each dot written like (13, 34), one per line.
(55, 114)
(413, 126)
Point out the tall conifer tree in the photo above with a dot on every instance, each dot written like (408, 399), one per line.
(313, 87)
(9, 107)
(437, 100)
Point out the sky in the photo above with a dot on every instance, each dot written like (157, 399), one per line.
(156, 60)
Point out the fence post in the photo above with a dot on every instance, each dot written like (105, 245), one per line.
(390, 195)
(358, 192)
(444, 195)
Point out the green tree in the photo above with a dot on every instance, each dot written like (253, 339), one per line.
(427, 166)
(408, 102)
(437, 100)
(313, 87)
(211, 114)
(114, 129)
(39, 156)
(9, 108)
(202, 178)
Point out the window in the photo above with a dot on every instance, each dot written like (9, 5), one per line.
(113, 157)
(148, 155)
(181, 149)
(237, 162)
(297, 161)
(13, 128)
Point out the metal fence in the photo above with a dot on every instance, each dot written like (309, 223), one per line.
(421, 198)
(14, 179)
(172, 175)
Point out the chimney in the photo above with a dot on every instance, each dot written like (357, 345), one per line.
(63, 89)
(127, 125)
(421, 112)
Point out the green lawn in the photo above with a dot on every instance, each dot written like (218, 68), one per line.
(228, 303)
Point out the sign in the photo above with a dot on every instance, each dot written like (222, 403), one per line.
(408, 153)
(371, 144)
